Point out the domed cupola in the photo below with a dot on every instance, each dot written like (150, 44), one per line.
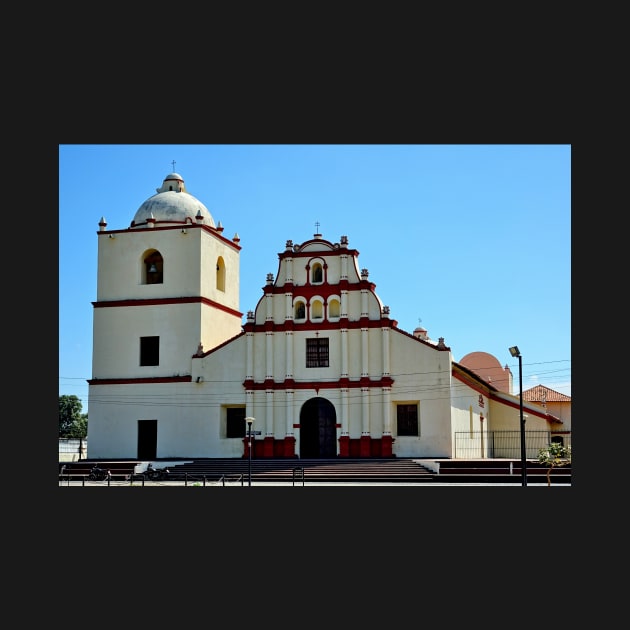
(172, 204)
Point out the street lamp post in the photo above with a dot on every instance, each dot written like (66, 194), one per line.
(249, 421)
(515, 352)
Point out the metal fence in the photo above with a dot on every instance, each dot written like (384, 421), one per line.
(72, 449)
(141, 479)
(498, 444)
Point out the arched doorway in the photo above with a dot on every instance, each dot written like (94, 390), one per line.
(318, 429)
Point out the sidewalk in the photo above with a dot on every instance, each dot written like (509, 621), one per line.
(542, 483)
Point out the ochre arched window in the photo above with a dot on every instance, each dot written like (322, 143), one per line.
(220, 271)
(334, 308)
(317, 310)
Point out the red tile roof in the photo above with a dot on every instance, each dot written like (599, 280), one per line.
(535, 394)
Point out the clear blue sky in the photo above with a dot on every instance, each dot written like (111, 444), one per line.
(472, 242)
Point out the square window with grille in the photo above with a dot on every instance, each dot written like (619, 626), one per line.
(407, 419)
(235, 422)
(149, 351)
(316, 353)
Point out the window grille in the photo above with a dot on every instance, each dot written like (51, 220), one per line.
(407, 419)
(316, 352)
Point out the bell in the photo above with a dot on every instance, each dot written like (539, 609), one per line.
(153, 268)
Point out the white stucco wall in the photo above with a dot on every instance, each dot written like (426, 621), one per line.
(117, 333)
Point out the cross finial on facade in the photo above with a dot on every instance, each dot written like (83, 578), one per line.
(317, 226)
(173, 163)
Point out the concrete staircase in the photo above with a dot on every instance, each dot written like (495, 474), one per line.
(313, 470)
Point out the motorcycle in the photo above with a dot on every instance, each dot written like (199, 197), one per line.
(156, 474)
(98, 474)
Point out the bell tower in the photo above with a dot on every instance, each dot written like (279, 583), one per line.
(167, 288)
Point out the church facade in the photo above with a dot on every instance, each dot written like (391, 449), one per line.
(318, 369)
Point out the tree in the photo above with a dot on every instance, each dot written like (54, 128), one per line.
(553, 456)
(72, 423)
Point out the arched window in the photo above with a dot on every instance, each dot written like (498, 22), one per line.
(299, 311)
(334, 308)
(317, 274)
(220, 271)
(317, 310)
(153, 268)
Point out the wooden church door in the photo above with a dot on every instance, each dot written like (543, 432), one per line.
(318, 429)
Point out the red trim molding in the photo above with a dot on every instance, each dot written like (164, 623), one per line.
(162, 301)
(140, 381)
(385, 381)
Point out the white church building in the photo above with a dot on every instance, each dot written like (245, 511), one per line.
(319, 365)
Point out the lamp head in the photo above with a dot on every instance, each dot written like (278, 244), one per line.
(249, 420)
(515, 352)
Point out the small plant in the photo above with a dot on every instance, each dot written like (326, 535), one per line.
(553, 456)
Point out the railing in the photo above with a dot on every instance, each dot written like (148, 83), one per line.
(225, 478)
(298, 473)
(502, 444)
(143, 479)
